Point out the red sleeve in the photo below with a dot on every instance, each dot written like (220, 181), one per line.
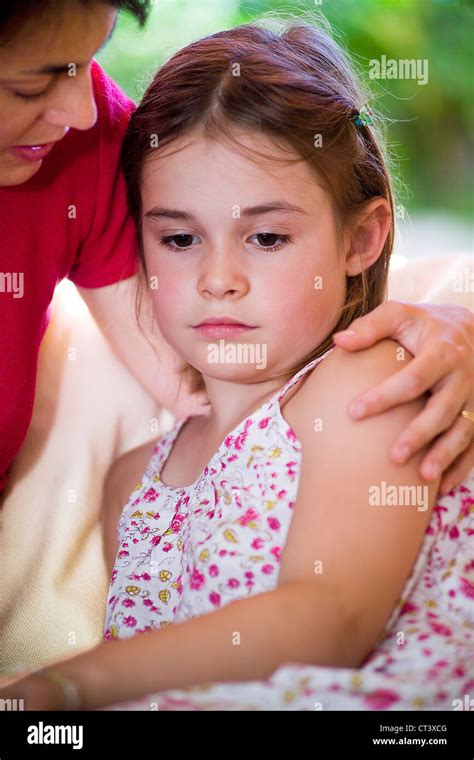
(108, 252)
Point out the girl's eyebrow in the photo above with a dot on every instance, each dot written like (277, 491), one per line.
(159, 212)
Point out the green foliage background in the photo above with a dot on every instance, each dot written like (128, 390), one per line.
(428, 127)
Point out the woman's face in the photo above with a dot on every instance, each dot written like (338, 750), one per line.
(227, 237)
(45, 84)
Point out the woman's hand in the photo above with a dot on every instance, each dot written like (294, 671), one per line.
(441, 339)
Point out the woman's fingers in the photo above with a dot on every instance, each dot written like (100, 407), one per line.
(385, 321)
(459, 469)
(440, 413)
(423, 373)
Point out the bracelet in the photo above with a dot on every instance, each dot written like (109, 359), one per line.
(72, 699)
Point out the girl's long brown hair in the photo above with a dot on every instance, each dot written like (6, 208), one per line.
(291, 85)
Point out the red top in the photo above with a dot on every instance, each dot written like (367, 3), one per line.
(69, 220)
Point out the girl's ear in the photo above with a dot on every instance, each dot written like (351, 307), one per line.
(368, 236)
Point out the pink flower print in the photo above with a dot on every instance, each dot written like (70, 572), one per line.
(176, 523)
(454, 533)
(146, 577)
(222, 552)
(281, 494)
(240, 440)
(197, 580)
(381, 699)
(123, 554)
(155, 540)
(408, 607)
(167, 546)
(147, 602)
(233, 583)
(130, 621)
(273, 523)
(232, 458)
(215, 599)
(128, 603)
(257, 543)
(290, 434)
(267, 569)
(442, 630)
(276, 551)
(249, 574)
(249, 516)
(467, 588)
(150, 495)
(213, 571)
(263, 423)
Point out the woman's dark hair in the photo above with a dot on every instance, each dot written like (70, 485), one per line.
(14, 13)
(292, 84)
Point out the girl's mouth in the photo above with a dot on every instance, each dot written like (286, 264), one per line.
(222, 327)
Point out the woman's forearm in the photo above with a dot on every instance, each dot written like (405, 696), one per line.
(245, 640)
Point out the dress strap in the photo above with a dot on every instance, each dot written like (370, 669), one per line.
(302, 372)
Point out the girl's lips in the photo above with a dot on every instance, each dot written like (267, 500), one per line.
(224, 330)
(32, 152)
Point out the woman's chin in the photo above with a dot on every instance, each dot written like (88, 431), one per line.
(14, 171)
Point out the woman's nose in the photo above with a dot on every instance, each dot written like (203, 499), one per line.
(74, 103)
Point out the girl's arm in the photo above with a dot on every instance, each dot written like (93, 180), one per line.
(342, 568)
(123, 476)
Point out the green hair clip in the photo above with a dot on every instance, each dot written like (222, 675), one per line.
(363, 118)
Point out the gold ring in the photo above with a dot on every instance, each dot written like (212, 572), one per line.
(468, 415)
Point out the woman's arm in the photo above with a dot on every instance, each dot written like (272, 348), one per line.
(342, 568)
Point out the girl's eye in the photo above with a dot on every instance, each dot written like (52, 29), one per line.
(31, 96)
(183, 241)
(271, 241)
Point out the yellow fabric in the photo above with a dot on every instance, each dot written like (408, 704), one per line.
(88, 411)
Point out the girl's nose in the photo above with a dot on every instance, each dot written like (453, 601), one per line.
(73, 103)
(222, 276)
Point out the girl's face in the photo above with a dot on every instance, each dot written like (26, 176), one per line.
(224, 236)
(41, 94)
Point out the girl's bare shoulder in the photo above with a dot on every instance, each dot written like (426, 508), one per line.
(340, 377)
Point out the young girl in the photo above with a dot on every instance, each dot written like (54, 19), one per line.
(271, 541)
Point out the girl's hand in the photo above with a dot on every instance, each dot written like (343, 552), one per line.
(37, 693)
(441, 338)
